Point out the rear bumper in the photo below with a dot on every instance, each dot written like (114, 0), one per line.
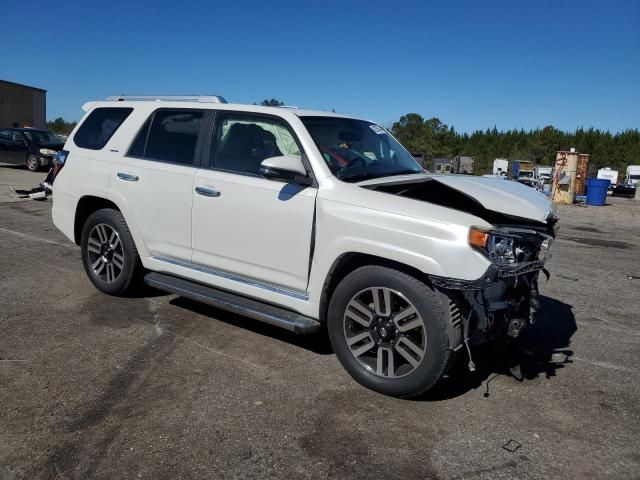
(63, 213)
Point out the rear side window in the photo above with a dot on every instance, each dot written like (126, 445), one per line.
(5, 134)
(169, 136)
(99, 127)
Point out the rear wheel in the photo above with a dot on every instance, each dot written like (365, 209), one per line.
(109, 253)
(33, 164)
(388, 331)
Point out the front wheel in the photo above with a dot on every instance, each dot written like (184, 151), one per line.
(33, 164)
(388, 330)
(109, 253)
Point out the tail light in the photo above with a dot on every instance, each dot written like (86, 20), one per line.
(59, 160)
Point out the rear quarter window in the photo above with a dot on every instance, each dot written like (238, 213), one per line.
(99, 127)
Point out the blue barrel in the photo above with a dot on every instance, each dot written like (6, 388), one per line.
(597, 191)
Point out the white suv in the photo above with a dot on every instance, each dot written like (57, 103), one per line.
(303, 219)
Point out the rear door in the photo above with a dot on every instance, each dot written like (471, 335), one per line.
(245, 225)
(155, 179)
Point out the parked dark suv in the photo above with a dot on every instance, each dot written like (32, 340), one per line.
(29, 146)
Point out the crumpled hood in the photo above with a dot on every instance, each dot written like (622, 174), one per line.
(498, 195)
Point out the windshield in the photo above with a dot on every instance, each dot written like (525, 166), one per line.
(634, 177)
(357, 150)
(42, 136)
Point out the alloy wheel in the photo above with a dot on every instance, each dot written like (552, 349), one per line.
(105, 253)
(32, 162)
(384, 332)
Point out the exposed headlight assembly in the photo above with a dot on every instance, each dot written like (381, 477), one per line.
(505, 247)
(47, 151)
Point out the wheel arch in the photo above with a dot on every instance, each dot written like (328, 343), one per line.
(86, 206)
(351, 261)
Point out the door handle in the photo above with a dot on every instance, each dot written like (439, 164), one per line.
(128, 177)
(207, 192)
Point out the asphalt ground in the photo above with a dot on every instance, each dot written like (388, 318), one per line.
(157, 387)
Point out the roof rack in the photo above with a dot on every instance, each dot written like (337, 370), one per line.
(168, 98)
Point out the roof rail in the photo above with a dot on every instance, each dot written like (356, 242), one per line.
(168, 98)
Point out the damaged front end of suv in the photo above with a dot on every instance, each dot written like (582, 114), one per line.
(505, 299)
(501, 302)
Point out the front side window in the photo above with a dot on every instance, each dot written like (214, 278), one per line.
(99, 127)
(357, 150)
(5, 135)
(242, 142)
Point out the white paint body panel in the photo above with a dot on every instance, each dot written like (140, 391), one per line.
(259, 229)
(159, 202)
(255, 239)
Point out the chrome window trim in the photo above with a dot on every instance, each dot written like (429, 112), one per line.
(232, 276)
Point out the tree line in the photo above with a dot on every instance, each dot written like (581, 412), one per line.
(434, 139)
(60, 126)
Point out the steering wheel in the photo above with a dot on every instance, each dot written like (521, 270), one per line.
(353, 162)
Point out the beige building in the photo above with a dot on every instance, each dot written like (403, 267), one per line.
(22, 106)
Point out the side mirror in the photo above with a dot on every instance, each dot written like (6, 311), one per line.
(287, 168)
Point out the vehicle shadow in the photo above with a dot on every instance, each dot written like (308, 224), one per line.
(542, 350)
(146, 291)
(317, 343)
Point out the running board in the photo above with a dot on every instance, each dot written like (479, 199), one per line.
(247, 307)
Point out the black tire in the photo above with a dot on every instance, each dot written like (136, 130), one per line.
(128, 279)
(437, 357)
(32, 163)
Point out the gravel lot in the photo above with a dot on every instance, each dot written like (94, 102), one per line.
(160, 387)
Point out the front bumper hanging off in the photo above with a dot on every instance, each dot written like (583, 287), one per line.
(498, 304)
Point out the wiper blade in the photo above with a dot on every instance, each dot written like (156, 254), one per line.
(401, 172)
(359, 176)
(354, 177)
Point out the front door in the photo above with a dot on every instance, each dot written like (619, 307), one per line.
(243, 224)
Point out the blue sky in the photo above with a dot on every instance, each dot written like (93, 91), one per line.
(472, 64)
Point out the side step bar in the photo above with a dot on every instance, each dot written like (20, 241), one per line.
(248, 307)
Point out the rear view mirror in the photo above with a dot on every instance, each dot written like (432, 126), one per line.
(288, 168)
